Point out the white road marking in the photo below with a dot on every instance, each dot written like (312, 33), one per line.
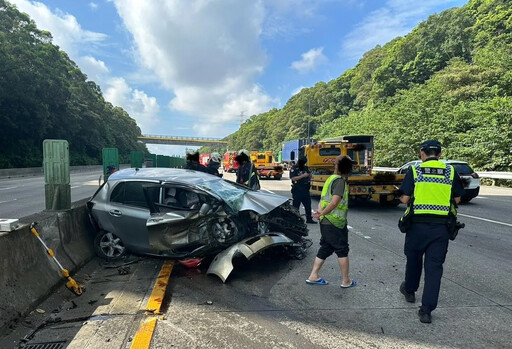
(358, 233)
(8, 188)
(481, 197)
(1, 202)
(76, 186)
(485, 219)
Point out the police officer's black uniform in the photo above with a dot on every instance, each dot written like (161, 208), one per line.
(300, 190)
(427, 239)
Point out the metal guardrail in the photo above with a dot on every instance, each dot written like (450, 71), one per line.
(482, 174)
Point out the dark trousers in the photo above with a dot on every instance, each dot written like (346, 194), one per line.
(426, 246)
(302, 196)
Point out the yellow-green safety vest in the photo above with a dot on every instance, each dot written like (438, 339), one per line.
(338, 216)
(432, 188)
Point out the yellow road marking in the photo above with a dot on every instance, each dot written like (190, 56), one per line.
(155, 300)
(142, 339)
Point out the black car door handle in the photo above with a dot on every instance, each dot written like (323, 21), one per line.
(115, 213)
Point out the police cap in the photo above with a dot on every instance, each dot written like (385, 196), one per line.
(432, 145)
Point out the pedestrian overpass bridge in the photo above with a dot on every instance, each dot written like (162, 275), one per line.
(175, 140)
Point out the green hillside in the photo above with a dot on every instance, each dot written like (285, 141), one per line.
(44, 95)
(449, 79)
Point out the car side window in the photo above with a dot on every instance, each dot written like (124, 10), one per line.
(132, 194)
(117, 194)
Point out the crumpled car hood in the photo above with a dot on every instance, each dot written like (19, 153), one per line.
(261, 202)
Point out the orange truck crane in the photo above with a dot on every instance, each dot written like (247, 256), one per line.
(363, 183)
(264, 163)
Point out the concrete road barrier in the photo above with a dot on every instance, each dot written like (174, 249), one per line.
(27, 273)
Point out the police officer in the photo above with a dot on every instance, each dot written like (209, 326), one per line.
(301, 182)
(193, 161)
(246, 174)
(431, 189)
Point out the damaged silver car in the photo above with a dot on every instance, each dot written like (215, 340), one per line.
(183, 214)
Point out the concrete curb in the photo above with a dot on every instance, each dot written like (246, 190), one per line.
(28, 274)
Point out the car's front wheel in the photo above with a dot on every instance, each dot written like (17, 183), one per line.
(108, 245)
(225, 231)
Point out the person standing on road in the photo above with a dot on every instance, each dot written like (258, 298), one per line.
(431, 189)
(193, 161)
(246, 174)
(214, 164)
(301, 182)
(332, 212)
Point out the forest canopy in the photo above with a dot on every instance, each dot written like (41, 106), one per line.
(44, 95)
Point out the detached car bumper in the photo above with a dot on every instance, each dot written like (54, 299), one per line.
(222, 264)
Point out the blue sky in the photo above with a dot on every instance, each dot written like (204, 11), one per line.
(197, 67)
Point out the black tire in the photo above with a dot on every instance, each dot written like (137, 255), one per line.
(109, 246)
(278, 177)
(384, 202)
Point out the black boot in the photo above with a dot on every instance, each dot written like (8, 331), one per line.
(409, 297)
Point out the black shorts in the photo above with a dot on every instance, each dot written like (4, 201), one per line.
(333, 240)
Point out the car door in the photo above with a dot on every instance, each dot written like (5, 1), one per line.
(175, 219)
(128, 212)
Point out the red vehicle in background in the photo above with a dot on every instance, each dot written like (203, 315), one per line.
(203, 159)
(228, 161)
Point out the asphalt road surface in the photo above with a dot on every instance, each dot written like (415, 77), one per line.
(23, 196)
(266, 303)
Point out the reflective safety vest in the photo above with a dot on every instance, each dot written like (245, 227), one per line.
(432, 188)
(338, 216)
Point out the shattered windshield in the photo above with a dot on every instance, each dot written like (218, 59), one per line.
(232, 195)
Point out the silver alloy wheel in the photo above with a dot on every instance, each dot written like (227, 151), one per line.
(262, 228)
(111, 245)
(224, 229)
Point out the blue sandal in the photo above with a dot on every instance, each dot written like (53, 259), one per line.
(317, 282)
(352, 284)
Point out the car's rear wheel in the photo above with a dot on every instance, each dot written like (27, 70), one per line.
(109, 246)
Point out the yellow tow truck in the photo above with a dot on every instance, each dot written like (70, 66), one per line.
(264, 163)
(363, 182)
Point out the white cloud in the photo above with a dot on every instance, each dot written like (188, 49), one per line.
(310, 60)
(95, 69)
(139, 105)
(395, 18)
(66, 31)
(209, 58)
(93, 5)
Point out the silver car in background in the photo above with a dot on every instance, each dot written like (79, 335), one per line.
(470, 179)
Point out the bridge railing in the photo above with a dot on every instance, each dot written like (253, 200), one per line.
(180, 138)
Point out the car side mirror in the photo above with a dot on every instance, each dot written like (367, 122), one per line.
(205, 209)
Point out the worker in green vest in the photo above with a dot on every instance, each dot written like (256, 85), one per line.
(431, 189)
(332, 212)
